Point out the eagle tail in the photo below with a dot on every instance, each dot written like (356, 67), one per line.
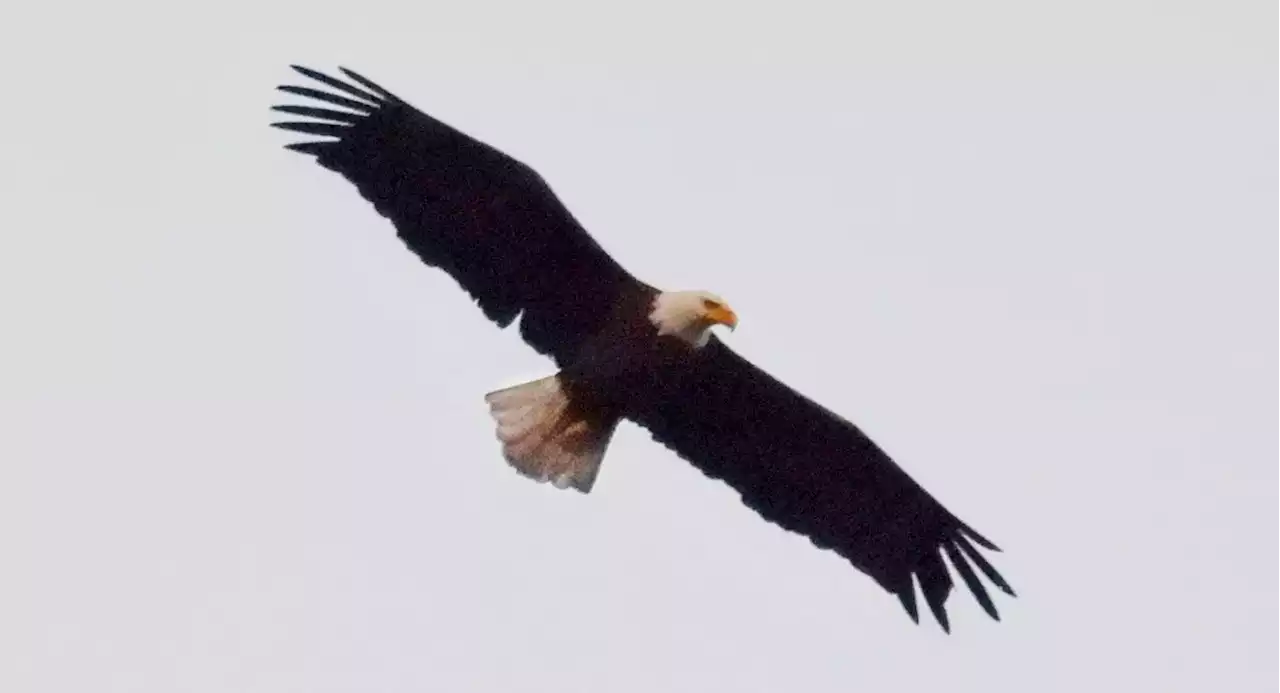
(547, 436)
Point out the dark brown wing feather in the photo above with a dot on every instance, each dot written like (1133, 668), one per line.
(487, 219)
(810, 471)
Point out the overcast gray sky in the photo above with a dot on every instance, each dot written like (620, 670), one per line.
(1029, 247)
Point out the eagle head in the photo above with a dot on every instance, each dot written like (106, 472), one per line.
(690, 315)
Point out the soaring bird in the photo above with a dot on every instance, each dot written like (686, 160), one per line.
(624, 349)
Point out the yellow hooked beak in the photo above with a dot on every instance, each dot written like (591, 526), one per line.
(723, 315)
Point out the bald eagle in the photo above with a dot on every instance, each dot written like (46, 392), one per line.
(626, 350)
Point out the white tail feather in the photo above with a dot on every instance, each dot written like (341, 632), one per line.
(544, 438)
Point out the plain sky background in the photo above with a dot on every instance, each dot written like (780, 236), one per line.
(1029, 247)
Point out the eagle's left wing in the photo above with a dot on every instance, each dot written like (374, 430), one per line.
(810, 471)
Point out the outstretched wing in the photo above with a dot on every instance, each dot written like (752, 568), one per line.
(487, 219)
(810, 471)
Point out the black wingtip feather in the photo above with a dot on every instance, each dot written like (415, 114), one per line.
(313, 148)
(981, 540)
(935, 583)
(944, 621)
(313, 128)
(338, 84)
(938, 606)
(907, 595)
(325, 113)
(325, 96)
(984, 565)
(369, 84)
(971, 580)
